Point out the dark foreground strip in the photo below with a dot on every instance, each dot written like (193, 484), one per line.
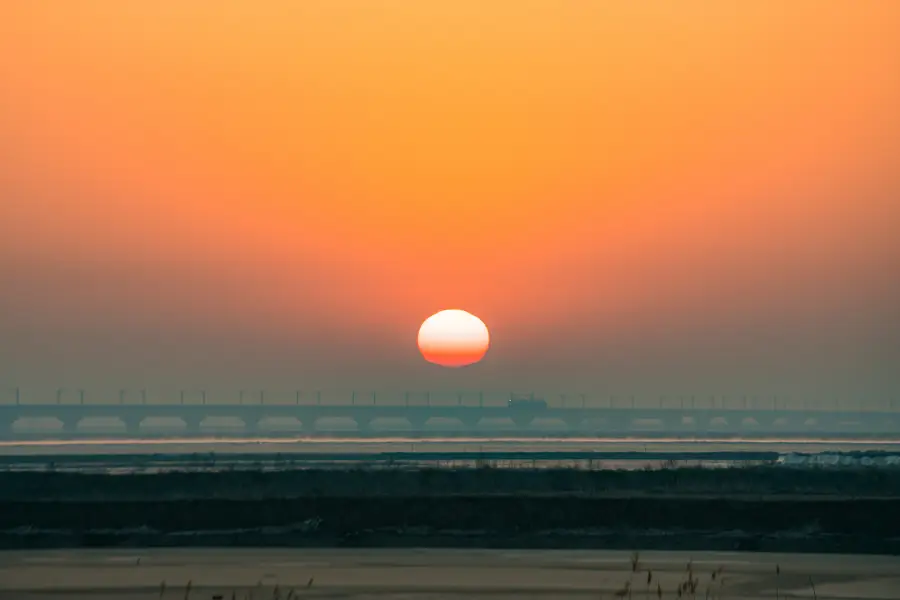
(806, 524)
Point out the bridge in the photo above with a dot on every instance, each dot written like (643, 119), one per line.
(194, 414)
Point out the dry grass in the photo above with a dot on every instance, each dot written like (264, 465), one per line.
(686, 589)
(777, 581)
(688, 586)
(259, 593)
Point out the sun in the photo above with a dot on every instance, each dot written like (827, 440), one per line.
(453, 338)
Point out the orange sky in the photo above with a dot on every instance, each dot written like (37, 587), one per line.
(623, 191)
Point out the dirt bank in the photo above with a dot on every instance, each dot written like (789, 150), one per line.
(773, 509)
(753, 481)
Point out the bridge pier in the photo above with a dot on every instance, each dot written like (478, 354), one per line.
(253, 420)
(132, 424)
(573, 422)
(69, 424)
(676, 424)
(704, 422)
(192, 424)
(417, 423)
(821, 423)
(470, 421)
(781, 424)
(522, 421)
(719, 423)
(7, 422)
(613, 423)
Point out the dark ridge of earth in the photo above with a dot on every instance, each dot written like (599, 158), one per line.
(845, 525)
(757, 481)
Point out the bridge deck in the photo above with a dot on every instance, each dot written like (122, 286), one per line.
(194, 418)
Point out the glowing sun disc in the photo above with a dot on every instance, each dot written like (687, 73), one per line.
(453, 338)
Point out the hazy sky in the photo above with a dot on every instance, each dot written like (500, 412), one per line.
(636, 197)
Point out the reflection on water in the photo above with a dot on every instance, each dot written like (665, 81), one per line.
(531, 440)
(301, 445)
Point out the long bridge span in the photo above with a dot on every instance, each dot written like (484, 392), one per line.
(75, 414)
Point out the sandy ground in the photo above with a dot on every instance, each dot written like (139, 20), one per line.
(437, 574)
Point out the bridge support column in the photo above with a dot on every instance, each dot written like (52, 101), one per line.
(573, 422)
(616, 424)
(253, 420)
(675, 424)
(470, 421)
(702, 423)
(69, 424)
(417, 423)
(725, 423)
(192, 424)
(715, 423)
(6, 425)
(132, 424)
(522, 421)
(748, 424)
(781, 423)
(308, 425)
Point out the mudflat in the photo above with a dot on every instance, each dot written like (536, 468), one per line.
(437, 574)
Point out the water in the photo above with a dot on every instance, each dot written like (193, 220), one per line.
(433, 443)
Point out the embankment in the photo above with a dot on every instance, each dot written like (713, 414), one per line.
(791, 510)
